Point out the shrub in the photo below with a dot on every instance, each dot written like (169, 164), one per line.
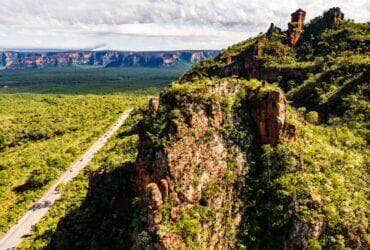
(2, 142)
(144, 239)
(55, 162)
(312, 117)
(41, 177)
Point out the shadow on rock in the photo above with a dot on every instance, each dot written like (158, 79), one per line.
(106, 218)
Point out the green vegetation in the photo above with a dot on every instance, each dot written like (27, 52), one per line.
(80, 219)
(311, 192)
(120, 77)
(45, 127)
(321, 179)
(317, 41)
(42, 135)
(307, 192)
(340, 88)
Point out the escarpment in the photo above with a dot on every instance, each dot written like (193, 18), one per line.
(281, 56)
(262, 147)
(225, 161)
(21, 60)
(192, 160)
(187, 171)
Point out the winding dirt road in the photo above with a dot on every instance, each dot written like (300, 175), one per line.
(24, 226)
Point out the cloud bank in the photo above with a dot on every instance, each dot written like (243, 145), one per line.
(151, 24)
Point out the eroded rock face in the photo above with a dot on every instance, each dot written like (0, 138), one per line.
(295, 27)
(269, 115)
(272, 30)
(268, 109)
(333, 17)
(154, 200)
(187, 176)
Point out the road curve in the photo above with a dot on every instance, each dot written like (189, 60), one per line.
(24, 226)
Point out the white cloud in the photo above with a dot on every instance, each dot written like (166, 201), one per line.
(151, 24)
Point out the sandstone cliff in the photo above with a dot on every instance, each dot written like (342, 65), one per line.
(295, 27)
(190, 171)
(262, 147)
(22, 60)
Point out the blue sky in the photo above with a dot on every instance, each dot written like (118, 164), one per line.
(151, 24)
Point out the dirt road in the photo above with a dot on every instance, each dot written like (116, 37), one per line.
(24, 226)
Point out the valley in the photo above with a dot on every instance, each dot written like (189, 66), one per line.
(46, 126)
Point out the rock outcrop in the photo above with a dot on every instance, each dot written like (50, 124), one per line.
(254, 60)
(187, 167)
(273, 30)
(295, 27)
(183, 179)
(270, 116)
(333, 17)
(268, 109)
(261, 46)
(215, 163)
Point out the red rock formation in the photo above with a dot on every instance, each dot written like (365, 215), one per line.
(154, 201)
(295, 27)
(270, 116)
(269, 113)
(272, 30)
(142, 177)
(333, 17)
(190, 172)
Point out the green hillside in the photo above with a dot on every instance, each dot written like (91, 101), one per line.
(265, 146)
(308, 192)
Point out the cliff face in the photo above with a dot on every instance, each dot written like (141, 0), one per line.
(191, 175)
(295, 27)
(21, 60)
(269, 114)
(276, 162)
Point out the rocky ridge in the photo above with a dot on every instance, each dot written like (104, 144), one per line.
(188, 164)
(226, 159)
(22, 60)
